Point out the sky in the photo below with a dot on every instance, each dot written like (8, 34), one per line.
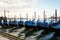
(23, 7)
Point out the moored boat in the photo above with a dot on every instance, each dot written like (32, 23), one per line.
(5, 23)
(13, 23)
(1, 18)
(55, 26)
(30, 24)
(42, 25)
(21, 23)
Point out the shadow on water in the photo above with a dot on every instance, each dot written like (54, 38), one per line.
(46, 34)
(56, 36)
(30, 33)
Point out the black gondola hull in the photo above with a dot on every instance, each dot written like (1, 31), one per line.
(39, 26)
(30, 27)
(0, 24)
(12, 25)
(20, 25)
(42, 27)
(5, 25)
(54, 29)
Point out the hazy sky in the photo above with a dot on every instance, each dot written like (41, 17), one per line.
(17, 7)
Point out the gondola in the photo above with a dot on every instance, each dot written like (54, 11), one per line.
(0, 23)
(5, 23)
(42, 25)
(51, 23)
(55, 26)
(21, 24)
(13, 23)
(30, 24)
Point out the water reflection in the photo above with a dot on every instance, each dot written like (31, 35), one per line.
(34, 34)
(40, 35)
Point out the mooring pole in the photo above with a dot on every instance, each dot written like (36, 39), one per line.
(55, 15)
(4, 13)
(20, 17)
(35, 15)
(44, 16)
(26, 16)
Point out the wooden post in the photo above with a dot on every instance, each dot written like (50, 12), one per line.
(35, 15)
(38, 17)
(20, 17)
(44, 16)
(4, 13)
(14, 17)
(26, 16)
(55, 15)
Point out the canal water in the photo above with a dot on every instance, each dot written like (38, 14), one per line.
(34, 34)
